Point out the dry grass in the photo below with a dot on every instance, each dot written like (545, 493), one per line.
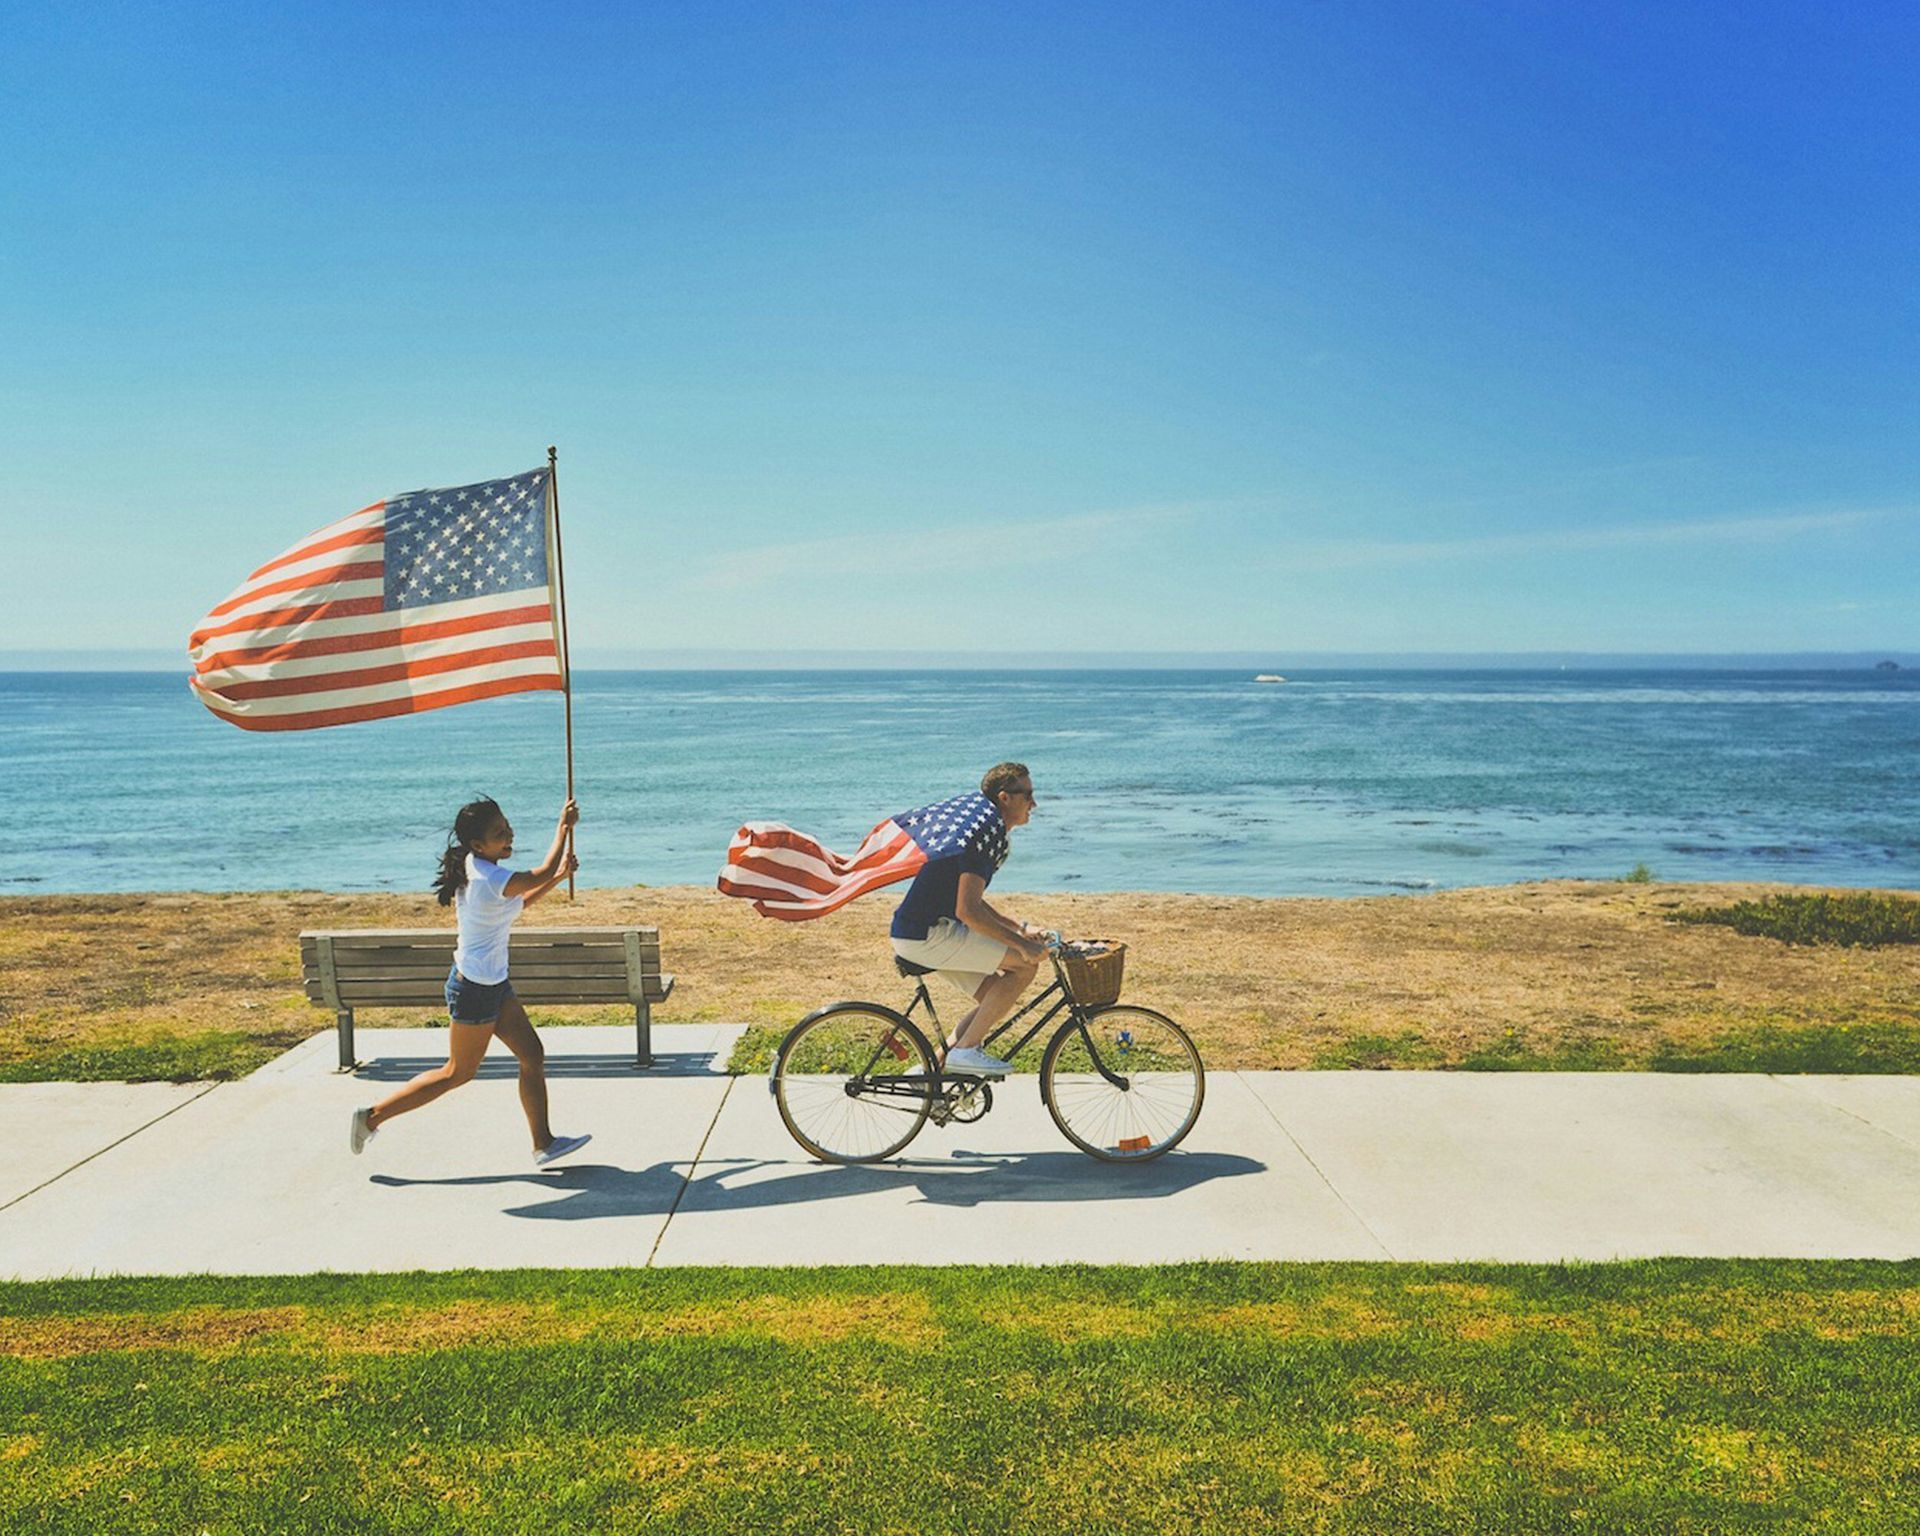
(1575, 972)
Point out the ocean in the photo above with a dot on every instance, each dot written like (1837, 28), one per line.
(1331, 783)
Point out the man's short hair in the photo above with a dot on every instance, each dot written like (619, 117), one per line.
(1002, 776)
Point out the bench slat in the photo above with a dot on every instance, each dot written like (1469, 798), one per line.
(407, 938)
(389, 994)
(373, 962)
(352, 993)
(386, 993)
(350, 989)
(368, 962)
(542, 954)
(429, 942)
(654, 988)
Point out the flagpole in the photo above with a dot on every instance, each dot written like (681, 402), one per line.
(566, 663)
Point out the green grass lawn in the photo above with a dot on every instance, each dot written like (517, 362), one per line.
(1667, 1397)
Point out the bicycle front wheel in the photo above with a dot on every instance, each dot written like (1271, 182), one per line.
(854, 1082)
(1124, 1084)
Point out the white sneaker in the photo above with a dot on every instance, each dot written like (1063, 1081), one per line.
(361, 1131)
(971, 1059)
(558, 1148)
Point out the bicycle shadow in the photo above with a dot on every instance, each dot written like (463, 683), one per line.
(966, 1179)
(599, 1192)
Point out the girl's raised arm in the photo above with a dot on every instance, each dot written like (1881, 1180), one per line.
(529, 883)
(567, 866)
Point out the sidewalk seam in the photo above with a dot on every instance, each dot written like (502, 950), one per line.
(1308, 1156)
(1872, 1125)
(101, 1152)
(692, 1168)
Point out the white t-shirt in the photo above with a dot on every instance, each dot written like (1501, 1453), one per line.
(485, 913)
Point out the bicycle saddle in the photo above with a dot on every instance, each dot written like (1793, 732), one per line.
(908, 968)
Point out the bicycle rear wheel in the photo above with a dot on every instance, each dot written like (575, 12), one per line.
(1154, 1102)
(854, 1082)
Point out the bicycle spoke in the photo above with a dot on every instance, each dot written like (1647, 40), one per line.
(1151, 1107)
(853, 1084)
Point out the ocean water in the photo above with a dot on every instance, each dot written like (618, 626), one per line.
(1332, 783)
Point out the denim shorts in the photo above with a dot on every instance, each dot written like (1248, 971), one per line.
(475, 1002)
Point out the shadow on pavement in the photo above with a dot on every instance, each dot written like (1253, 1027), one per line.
(583, 1192)
(400, 1069)
(593, 1191)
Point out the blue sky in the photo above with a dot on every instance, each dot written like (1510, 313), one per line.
(1334, 327)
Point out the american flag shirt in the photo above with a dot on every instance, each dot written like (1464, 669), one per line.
(963, 836)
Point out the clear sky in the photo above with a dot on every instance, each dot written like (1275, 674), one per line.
(1339, 326)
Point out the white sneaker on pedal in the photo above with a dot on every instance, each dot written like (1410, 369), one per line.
(971, 1059)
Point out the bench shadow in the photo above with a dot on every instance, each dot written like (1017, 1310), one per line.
(400, 1069)
(598, 1191)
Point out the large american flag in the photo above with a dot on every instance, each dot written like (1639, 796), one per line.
(414, 603)
(788, 875)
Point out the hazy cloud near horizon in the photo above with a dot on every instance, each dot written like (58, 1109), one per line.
(1004, 545)
(1767, 527)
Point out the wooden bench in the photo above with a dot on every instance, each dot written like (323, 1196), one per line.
(349, 968)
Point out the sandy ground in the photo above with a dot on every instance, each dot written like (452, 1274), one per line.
(1566, 972)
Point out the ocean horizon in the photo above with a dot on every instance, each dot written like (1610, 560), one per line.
(1335, 782)
(722, 659)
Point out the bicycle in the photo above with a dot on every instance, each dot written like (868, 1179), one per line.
(856, 1081)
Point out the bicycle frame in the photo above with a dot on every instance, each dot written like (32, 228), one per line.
(905, 1069)
(1056, 995)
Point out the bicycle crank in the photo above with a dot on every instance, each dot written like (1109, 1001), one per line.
(968, 1104)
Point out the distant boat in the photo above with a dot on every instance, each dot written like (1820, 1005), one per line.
(1269, 677)
(1886, 666)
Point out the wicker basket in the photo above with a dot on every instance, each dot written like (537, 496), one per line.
(1094, 968)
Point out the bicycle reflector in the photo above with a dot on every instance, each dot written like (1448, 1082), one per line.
(1134, 1144)
(891, 1041)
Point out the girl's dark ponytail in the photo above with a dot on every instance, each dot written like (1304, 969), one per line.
(475, 820)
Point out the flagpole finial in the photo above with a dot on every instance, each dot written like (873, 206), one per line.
(552, 453)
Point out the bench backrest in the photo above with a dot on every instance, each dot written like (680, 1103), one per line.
(349, 968)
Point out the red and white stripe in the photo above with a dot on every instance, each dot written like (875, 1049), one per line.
(791, 876)
(307, 640)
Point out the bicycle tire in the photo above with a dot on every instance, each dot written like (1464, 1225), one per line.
(1146, 1120)
(843, 1045)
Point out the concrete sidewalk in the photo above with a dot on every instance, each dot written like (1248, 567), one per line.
(689, 1166)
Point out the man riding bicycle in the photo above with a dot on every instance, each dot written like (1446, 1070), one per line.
(855, 1081)
(945, 923)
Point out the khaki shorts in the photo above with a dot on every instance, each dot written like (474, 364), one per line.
(956, 953)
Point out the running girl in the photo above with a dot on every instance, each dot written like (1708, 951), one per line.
(486, 897)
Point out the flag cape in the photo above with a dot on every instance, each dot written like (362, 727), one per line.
(791, 876)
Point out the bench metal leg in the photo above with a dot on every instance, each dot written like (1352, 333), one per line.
(343, 1026)
(643, 1035)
